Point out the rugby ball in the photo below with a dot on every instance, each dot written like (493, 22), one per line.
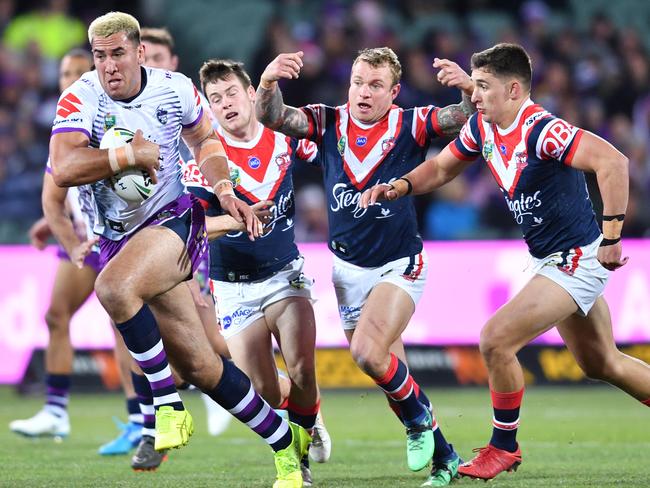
(132, 185)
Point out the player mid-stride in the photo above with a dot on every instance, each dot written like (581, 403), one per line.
(538, 162)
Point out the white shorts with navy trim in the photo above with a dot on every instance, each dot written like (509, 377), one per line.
(578, 271)
(240, 304)
(353, 284)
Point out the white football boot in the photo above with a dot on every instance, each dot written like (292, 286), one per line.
(320, 448)
(44, 423)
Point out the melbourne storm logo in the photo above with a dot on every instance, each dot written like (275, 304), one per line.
(161, 114)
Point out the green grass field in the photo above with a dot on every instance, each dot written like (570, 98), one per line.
(579, 437)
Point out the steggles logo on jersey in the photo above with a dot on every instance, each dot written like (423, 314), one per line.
(361, 141)
(161, 115)
(283, 161)
(523, 206)
(279, 212)
(345, 198)
(502, 149)
(385, 213)
(254, 162)
(341, 145)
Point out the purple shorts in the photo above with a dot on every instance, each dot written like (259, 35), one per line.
(202, 274)
(92, 260)
(184, 216)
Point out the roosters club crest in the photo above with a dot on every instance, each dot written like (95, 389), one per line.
(283, 161)
(387, 145)
(521, 160)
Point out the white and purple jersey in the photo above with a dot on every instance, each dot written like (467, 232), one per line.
(356, 156)
(166, 103)
(531, 163)
(260, 169)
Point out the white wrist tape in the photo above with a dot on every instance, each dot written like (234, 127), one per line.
(121, 158)
(112, 160)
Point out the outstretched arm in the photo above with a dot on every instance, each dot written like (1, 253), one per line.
(211, 159)
(220, 225)
(269, 105)
(428, 176)
(452, 117)
(596, 155)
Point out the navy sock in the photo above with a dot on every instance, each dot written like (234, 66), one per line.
(236, 394)
(145, 399)
(399, 385)
(142, 338)
(506, 419)
(57, 393)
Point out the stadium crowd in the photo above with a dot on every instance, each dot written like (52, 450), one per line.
(590, 70)
(151, 243)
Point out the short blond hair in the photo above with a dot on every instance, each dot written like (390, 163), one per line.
(380, 56)
(112, 23)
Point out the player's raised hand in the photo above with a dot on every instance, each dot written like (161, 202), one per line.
(39, 233)
(285, 65)
(80, 252)
(382, 191)
(146, 154)
(450, 74)
(610, 256)
(242, 212)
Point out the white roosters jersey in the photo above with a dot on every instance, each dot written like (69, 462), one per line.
(166, 103)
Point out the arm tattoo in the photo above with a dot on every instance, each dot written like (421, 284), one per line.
(452, 117)
(274, 114)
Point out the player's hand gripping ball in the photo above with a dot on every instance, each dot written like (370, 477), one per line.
(132, 185)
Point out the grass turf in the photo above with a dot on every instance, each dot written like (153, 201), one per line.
(578, 437)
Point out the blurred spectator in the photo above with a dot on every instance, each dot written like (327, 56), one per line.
(311, 214)
(451, 216)
(50, 28)
(589, 70)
